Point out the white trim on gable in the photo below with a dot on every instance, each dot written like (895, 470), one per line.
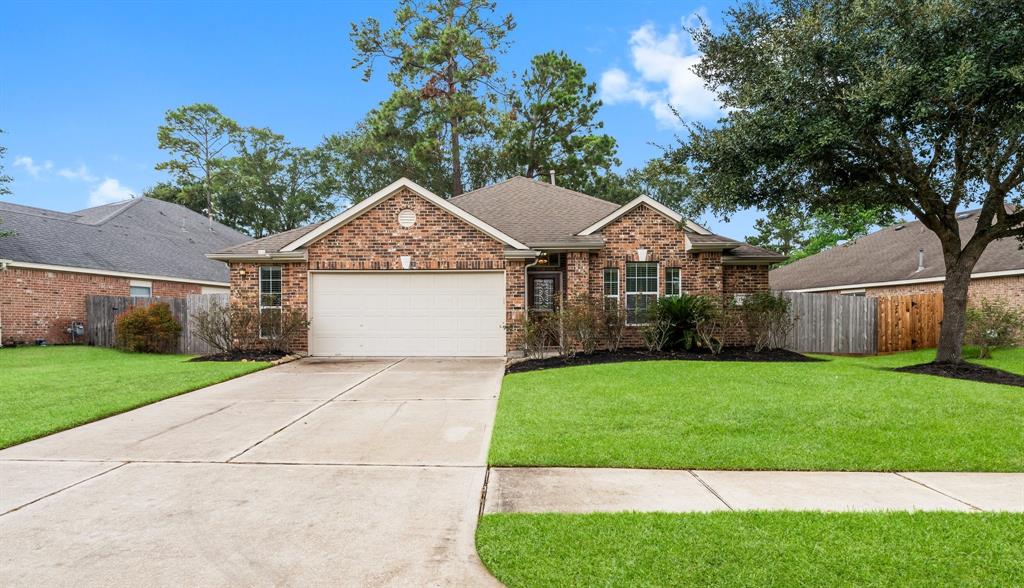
(357, 210)
(651, 202)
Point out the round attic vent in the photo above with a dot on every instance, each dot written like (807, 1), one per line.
(406, 218)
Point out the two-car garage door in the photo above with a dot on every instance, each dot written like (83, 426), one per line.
(407, 313)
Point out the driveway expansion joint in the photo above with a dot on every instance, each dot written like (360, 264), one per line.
(68, 487)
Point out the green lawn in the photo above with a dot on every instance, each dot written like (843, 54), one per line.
(1011, 360)
(48, 389)
(754, 549)
(845, 413)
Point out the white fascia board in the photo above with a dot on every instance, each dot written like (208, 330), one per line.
(112, 273)
(977, 276)
(651, 202)
(355, 211)
(257, 257)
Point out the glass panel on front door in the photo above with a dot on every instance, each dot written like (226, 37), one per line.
(543, 293)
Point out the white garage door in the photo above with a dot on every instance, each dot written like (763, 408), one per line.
(391, 313)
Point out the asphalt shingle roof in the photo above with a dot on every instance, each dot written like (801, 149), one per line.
(889, 255)
(142, 236)
(535, 213)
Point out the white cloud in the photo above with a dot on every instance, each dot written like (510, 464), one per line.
(664, 76)
(109, 190)
(82, 173)
(33, 168)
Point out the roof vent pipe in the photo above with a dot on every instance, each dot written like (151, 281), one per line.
(920, 259)
(552, 177)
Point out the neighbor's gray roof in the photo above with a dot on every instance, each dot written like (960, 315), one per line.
(890, 255)
(140, 236)
(535, 213)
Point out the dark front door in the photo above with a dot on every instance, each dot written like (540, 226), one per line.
(544, 294)
(545, 290)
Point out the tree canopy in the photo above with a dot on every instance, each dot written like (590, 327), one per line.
(905, 105)
(5, 181)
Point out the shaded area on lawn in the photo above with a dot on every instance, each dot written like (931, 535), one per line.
(599, 357)
(754, 549)
(48, 389)
(844, 414)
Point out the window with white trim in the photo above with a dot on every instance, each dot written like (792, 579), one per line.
(140, 288)
(611, 287)
(673, 282)
(641, 290)
(270, 299)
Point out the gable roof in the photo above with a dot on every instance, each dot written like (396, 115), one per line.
(520, 212)
(355, 211)
(891, 255)
(141, 236)
(651, 203)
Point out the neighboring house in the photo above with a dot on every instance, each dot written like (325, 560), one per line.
(139, 247)
(406, 272)
(905, 259)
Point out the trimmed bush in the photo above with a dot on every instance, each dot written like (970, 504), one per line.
(147, 329)
(993, 323)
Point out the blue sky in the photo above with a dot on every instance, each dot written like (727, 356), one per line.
(84, 86)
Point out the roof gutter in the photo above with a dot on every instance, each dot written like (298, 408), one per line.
(752, 260)
(567, 246)
(975, 276)
(521, 253)
(259, 257)
(7, 264)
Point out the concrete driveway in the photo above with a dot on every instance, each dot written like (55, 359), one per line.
(344, 472)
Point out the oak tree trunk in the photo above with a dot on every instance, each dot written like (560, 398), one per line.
(954, 309)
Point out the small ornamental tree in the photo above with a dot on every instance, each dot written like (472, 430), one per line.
(147, 329)
(909, 106)
(993, 323)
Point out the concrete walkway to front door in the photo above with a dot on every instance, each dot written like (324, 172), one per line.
(339, 473)
(580, 490)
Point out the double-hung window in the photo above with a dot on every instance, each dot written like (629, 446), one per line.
(673, 282)
(140, 288)
(611, 287)
(270, 300)
(641, 290)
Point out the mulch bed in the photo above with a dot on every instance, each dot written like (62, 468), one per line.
(242, 356)
(727, 354)
(965, 371)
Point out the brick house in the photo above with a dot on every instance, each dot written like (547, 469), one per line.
(905, 259)
(139, 247)
(406, 272)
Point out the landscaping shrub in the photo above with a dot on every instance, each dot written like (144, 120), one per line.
(714, 322)
(684, 312)
(657, 329)
(147, 329)
(582, 324)
(613, 325)
(767, 319)
(239, 328)
(993, 323)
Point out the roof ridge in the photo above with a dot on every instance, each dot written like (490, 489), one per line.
(122, 206)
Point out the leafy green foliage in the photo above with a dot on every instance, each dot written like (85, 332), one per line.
(552, 125)
(847, 104)
(750, 548)
(800, 233)
(147, 329)
(993, 323)
(767, 319)
(251, 178)
(443, 66)
(683, 313)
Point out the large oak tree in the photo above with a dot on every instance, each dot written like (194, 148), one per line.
(900, 104)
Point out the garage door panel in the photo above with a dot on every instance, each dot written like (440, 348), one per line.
(442, 313)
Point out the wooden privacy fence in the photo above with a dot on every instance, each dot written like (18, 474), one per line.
(826, 323)
(909, 322)
(101, 312)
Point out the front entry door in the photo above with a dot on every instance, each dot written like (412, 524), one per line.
(545, 294)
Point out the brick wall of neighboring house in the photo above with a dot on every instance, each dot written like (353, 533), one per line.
(41, 304)
(1008, 288)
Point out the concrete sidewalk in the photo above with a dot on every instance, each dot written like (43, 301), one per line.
(582, 490)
